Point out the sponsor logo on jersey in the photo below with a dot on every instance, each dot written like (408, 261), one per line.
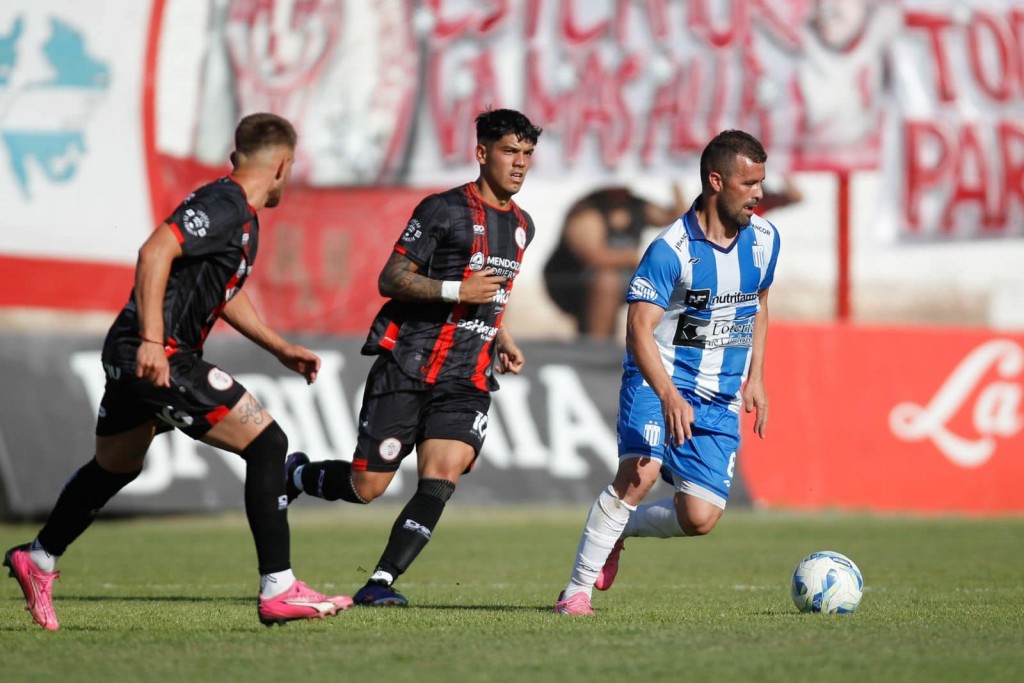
(413, 231)
(698, 298)
(521, 237)
(389, 449)
(642, 289)
(506, 267)
(476, 261)
(478, 326)
(735, 298)
(196, 222)
(175, 418)
(479, 229)
(219, 380)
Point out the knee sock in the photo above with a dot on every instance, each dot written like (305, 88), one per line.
(607, 519)
(330, 480)
(657, 519)
(413, 528)
(84, 494)
(266, 503)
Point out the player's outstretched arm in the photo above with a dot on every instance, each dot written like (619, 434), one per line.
(755, 397)
(242, 315)
(641, 319)
(151, 273)
(510, 356)
(400, 279)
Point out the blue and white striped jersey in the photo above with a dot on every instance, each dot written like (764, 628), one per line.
(710, 298)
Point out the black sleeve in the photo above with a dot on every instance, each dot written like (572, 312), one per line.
(429, 226)
(207, 225)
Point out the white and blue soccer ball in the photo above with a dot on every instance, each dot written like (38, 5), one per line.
(828, 582)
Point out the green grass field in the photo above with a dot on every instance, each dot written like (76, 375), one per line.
(174, 599)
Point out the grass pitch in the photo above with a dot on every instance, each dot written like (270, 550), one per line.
(174, 599)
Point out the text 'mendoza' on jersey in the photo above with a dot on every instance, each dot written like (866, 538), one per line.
(710, 299)
(452, 235)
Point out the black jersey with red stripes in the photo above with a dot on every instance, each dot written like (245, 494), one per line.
(451, 235)
(219, 233)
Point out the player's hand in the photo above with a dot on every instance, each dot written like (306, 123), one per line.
(480, 287)
(301, 360)
(755, 398)
(151, 363)
(510, 357)
(678, 419)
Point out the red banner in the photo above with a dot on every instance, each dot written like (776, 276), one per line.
(891, 419)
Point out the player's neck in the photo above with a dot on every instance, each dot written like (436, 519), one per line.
(715, 230)
(256, 189)
(499, 199)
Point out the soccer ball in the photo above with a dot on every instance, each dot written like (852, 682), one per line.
(827, 582)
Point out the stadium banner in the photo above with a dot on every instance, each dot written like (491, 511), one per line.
(110, 118)
(550, 432)
(956, 167)
(891, 420)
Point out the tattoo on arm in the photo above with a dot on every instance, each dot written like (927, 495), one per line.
(252, 410)
(399, 280)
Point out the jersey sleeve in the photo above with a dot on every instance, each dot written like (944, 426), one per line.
(429, 225)
(656, 276)
(206, 226)
(769, 272)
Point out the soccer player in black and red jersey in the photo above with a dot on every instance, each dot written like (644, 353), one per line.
(438, 341)
(190, 272)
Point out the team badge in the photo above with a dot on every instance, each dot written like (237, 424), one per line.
(521, 237)
(219, 380)
(641, 289)
(476, 261)
(389, 449)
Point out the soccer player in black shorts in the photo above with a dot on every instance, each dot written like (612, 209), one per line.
(190, 272)
(438, 341)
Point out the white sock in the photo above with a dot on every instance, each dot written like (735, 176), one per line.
(381, 576)
(297, 477)
(607, 519)
(657, 520)
(42, 559)
(272, 585)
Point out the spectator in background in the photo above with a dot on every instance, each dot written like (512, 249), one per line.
(600, 247)
(587, 273)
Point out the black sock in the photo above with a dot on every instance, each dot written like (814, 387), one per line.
(414, 526)
(266, 503)
(84, 494)
(330, 480)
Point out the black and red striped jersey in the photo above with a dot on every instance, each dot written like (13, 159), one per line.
(451, 235)
(219, 233)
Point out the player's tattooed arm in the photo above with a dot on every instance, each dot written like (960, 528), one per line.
(400, 280)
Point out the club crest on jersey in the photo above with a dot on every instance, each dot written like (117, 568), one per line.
(476, 261)
(196, 222)
(389, 449)
(641, 289)
(521, 237)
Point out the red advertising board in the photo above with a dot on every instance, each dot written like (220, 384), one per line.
(891, 419)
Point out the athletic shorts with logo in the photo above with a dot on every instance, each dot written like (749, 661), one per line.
(708, 459)
(200, 396)
(400, 412)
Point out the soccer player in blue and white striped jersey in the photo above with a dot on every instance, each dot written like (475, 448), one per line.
(695, 341)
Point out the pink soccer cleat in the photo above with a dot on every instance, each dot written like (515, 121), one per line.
(36, 584)
(577, 605)
(606, 576)
(300, 602)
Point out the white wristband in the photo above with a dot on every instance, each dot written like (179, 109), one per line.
(450, 291)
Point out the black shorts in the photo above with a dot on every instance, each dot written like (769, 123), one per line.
(400, 412)
(200, 396)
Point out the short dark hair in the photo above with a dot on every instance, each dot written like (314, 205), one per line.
(723, 149)
(494, 124)
(257, 131)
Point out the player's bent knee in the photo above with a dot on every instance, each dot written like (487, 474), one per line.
(442, 489)
(368, 486)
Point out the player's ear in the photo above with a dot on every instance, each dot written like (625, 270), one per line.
(716, 181)
(481, 153)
